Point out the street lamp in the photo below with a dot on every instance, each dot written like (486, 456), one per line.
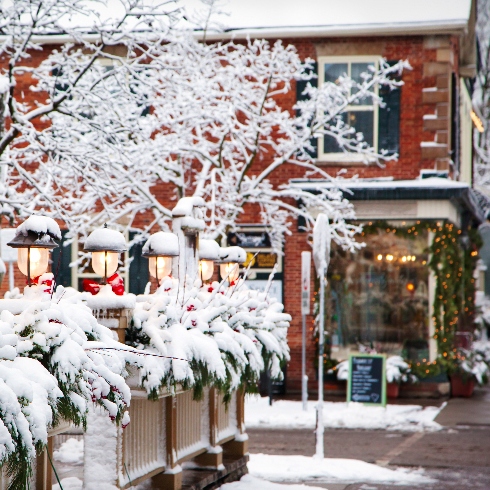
(159, 249)
(105, 245)
(34, 239)
(209, 252)
(230, 259)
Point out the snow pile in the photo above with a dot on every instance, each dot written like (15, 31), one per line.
(210, 334)
(339, 415)
(303, 468)
(70, 452)
(53, 365)
(249, 482)
(106, 298)
(397, 370)
(71, 483)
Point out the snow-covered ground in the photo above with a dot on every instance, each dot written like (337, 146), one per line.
(249, 482)
(71, 483)
(331, 470)
(289, 415)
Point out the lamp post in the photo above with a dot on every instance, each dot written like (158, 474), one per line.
(209, 253)
(159, 249)
(105, 245)
(230, 260)
(34, 239)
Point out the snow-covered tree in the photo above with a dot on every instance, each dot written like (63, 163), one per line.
(131, 101)
(481, 98)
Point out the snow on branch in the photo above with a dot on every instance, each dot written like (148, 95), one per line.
(131, 101)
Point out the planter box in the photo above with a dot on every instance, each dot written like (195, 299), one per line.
(461, 387)
(425, 390)
(392, 390)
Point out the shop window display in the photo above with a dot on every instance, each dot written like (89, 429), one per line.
(379, 296)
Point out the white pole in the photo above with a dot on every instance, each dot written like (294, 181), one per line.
(305, 310)
(321, 256)
(319, 417)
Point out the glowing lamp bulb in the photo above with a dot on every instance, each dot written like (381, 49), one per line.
(380, 257)
(160, 267)
(229, 271)
(410, 286)
(39, 258)
(99, 261)
(206, 269)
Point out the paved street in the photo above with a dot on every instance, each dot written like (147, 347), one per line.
(457, 457)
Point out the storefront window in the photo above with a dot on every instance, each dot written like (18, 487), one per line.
(379, 297)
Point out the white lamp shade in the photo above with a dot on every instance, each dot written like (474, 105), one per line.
(230, 271)
(99, 259)
(160, 267)
(39, 260)
(206, 269)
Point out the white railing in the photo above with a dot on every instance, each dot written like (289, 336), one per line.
(192, 429)
(227, 419)
(143, 441)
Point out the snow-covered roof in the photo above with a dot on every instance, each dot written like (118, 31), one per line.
(387, 183)
(290, 18)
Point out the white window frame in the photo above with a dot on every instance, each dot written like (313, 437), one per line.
(346, 157)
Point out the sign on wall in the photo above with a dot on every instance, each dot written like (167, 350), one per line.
(367, 379)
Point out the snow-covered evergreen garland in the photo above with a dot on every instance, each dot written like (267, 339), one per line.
(213, 334)
(48, 372)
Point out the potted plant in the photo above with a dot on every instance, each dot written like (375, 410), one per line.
(397, 371)
(468, 367)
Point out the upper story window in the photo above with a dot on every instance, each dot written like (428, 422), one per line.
(363, 115)
(380, 126)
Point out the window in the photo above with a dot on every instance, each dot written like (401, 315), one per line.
(363, 116)
(379, 297)
(379, 125)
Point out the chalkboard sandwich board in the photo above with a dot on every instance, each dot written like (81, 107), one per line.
(367, 379)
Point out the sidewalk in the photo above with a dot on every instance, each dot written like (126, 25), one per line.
(474, 411)
(458, 456)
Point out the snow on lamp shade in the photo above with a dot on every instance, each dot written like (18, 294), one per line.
(159, 250)
(209, 251)
(105, 245)
(38, 257)
(34, 239)
(230, 258)
(105, 263)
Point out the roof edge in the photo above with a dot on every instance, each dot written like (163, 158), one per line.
(458, 26)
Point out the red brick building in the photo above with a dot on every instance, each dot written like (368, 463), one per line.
(383, 296)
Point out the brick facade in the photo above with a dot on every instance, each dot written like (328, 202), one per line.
(427, 90)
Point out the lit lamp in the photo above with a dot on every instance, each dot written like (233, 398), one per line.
(209, 252)
(34, 239)
(231, 258)
(105, 245)
(159, 250)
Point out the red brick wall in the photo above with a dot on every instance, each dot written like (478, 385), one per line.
(423, 55)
